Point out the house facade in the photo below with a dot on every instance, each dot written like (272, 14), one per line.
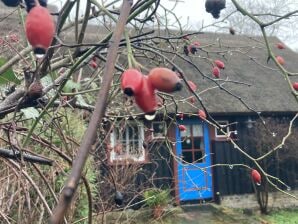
(200, 163)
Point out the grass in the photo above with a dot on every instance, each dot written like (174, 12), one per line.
(283, 217)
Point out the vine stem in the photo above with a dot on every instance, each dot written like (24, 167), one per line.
(100, 107)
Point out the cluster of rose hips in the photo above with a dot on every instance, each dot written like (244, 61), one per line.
(279, 58)
(143, 87)
(216, 69)
(201, 114)
(12, 38)
(281, 61)
(193, 48)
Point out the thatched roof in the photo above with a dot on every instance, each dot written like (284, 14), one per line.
(245, 61)
(261, 86)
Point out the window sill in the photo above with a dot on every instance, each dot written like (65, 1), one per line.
(224, 139)
(128, 162)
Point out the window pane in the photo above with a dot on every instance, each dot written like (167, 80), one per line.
(198, 143)
(128, 142)
(132, 132)
(224, 127)
(186, 143)
(159, 129)
(186, 132)
(134, 148)
(187, 157)
(197, 130)
(198, 156)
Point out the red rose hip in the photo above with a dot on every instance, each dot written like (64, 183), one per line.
(146, 99)
(40, 29)
(256, 176)
(295, 86)
(131, 82)
(216, 72)
(219, 64)
(165, 80)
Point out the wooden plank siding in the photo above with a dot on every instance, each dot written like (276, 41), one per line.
(160, 166)
(237, 180)
(229, 181)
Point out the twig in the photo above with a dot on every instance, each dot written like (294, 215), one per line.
(34, 185)
(16, 155)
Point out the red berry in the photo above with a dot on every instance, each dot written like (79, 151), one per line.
(192, 99)
(40, 29)
(182, 127)
(192, 85)
(93, 64)
(216, 72)
(181, 116)
(202, 114)
(280, 60)
(13, 38)
(256, 176)
(219, 64)
(164, 79)
(295, 86)
(280, 46)
(146, 98)
(196, 43)
(131, 82)
(160, 101)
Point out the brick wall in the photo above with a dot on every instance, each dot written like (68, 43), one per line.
(276, 200)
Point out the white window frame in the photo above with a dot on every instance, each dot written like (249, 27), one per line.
(114, 157)
(163, 134)
(220, 135)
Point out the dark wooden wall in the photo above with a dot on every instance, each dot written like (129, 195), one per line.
(161, 165)
(236, 180)
(229, 179)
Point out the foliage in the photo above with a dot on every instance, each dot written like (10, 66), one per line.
(283, 216)
(155, 197)
(8, 76)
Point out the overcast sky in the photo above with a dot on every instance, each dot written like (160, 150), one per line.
(192, 12)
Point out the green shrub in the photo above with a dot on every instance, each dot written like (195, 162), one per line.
(155, 196)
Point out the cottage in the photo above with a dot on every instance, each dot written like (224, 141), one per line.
(200, 162)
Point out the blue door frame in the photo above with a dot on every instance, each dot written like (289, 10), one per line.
(194, 176)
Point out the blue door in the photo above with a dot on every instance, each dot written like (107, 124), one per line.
(193, 161)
